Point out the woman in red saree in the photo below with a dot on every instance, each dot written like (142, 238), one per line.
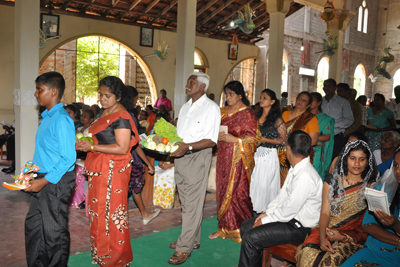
(235, 162)
(108, 166)
(338, 235)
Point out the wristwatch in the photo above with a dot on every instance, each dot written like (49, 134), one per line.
(190, 147)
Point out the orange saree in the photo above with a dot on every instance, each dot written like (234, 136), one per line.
(109, 177)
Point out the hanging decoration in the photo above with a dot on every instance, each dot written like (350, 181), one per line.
(161, 53)
(381, 67)
(244, 22)
(330, 44)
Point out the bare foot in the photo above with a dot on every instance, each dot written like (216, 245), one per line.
(213, 235)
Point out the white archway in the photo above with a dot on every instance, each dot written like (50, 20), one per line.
(322, 74)
(359, 79)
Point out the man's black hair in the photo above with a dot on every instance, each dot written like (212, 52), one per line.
(51, 80)
(300, 143)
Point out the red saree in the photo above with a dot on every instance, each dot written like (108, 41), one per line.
(109, 177)
(235, 163)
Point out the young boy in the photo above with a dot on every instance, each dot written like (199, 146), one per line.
(47, 239)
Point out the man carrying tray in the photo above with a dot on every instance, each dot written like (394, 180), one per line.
(198, 126)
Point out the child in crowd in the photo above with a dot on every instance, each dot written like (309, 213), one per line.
(79, 194)
(47, 240)
(143, 119)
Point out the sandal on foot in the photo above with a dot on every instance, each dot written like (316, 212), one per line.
(173, 246)
(178, 258)
(156, 213)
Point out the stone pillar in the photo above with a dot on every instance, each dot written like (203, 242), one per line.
(337, 27)
(186, 34)
(27, 13)
(261, 72)
(277, 10)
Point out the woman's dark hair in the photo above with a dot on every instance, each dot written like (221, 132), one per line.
(367, 167)
(275, 111)
(161, 105)
(382, 97)
(96, 107)
(237, 87)
(91, 113)
(358, 135)
(396, 199)
(150, 107)
(163, 90)
(307, 94)
(127, 100)
(73, 108)
(144, 113)
(300, 143)
(317, 96)
(115, 86)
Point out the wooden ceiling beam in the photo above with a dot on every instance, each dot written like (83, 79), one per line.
(152, 4)
(113, 4)
(215, 12)
(65, 4)
(132, 6)
(87, 6)
(165, 9)
(206, 7)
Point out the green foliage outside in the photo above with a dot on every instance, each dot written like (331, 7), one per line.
(96, 58)
(357, 85)
(321, 79)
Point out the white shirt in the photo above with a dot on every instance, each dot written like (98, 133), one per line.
(300, 197)
(200, 120)
(339, 109)
(378, 156)
(393, 106)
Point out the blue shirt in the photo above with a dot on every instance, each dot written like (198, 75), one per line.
(55, 144)
(339, 109)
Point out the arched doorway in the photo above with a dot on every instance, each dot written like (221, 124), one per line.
(200, 61)
(322, 74)
(396, 81)
(359, 79)
(86, 60)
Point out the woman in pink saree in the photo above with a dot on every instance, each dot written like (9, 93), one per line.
(235, 162)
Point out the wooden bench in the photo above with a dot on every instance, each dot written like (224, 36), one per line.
(285, 252)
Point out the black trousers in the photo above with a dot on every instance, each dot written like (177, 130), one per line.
(254, 240)
(47, 240)
(11, 148)
(339, 142)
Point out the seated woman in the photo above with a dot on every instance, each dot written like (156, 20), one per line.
(164, 113)
(343, 207)
(351, 137)
(383, 244)
(143, 120)
(151, 118)
(384, 156)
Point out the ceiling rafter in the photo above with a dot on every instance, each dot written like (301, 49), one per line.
(165, 9)
(113, 4)
(215, 12)
(87, 6)
(206, 7)
(66, 4)
(151, 5)
(132, 6)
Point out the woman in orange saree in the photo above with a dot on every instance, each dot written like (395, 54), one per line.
(235, 162)
(108, 167)
(298, 119)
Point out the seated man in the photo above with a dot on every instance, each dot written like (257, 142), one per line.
(292, 214)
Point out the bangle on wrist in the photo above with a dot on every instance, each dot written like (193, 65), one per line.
(92, 148)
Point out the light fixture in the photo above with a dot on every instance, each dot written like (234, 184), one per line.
(232, 23)
(302, 47)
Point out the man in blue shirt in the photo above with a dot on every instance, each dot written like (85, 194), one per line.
(47, 239)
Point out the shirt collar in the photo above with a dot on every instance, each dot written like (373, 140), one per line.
(52, 111)
(300, 165)
(199, 101)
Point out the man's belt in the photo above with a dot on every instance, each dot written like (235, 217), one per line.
(192, 151)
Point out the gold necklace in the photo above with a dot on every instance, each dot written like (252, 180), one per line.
(108, 112)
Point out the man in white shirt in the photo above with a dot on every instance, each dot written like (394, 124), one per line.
(394, 105)
(198, 126)
(292, 214)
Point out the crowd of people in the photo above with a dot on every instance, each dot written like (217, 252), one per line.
(302, 169)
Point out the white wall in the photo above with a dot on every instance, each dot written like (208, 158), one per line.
(72, 27)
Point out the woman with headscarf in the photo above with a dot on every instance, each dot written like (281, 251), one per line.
(339, 235)
(383, 244)
(235, 162)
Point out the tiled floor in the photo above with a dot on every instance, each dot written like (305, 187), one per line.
(14, 206)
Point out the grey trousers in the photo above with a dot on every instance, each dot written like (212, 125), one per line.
(191, 175)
